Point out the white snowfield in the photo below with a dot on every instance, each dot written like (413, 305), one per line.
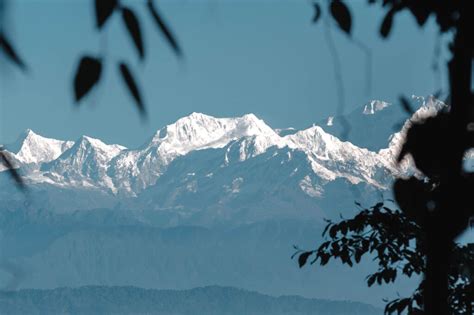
(92, 164)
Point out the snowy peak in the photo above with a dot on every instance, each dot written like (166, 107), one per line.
(91, 163)
(33, 148)
(318, 142)
(135, 170)
(199, 131)
(85, 164)
(109, 151)
(332, 158)
(88, 150)
(313, 137)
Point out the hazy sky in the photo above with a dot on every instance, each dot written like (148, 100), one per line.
(261, 56)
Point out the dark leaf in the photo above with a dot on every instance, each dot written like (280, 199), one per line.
(87, 75)
(386, 276)
(324, 259)
(346, 259)
(342, 15)
(393, 274)
(402, 305)
(379, 278)
(132, 87)
(103, 10)
(8, 49)
(377, 206)
(371, 280)
(324, 246)
(358, 256)
(317, 12)
(133, 27)
(386, 24)
(5, 160)
(303, 258)
(343, 227)
(165, 30)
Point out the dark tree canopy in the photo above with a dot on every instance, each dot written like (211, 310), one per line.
(435, 209)
(398, 246)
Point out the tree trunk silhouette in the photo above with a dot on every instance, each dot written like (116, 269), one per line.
(445, 228)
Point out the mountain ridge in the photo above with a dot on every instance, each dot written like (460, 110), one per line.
(230, 163)
(202, 300)
(89, 162)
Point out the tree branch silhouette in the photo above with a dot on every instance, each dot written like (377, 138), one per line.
(441, 203)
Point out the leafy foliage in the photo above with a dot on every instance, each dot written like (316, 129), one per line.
(441, 204)
(398, 245)
(104, 10)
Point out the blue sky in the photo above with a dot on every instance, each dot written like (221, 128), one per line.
(263, 57)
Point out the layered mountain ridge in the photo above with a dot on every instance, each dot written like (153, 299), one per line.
(90, 163)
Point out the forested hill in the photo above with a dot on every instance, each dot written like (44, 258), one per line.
(133, 300)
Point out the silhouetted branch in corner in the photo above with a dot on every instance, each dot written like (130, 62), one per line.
(398, 245)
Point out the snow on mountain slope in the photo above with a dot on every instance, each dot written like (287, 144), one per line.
(84, 164)
(331, 158)
(33, 148)
(90, 163)
(136, 169)
(198, 131)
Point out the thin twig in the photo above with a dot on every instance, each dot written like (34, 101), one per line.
(338, 78)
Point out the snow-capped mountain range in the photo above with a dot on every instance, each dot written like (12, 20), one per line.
(205, 201)
(223, 164)
(91, 164)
